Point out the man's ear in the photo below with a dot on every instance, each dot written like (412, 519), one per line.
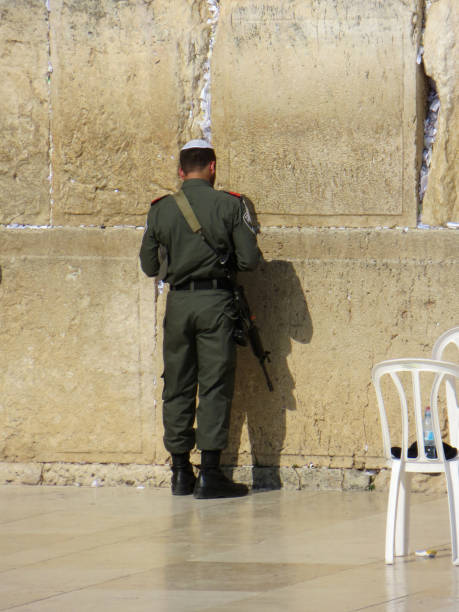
(181, 174)
(212, 166)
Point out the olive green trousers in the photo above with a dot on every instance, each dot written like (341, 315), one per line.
(199, 360)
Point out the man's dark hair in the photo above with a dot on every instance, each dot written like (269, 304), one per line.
(196, 159)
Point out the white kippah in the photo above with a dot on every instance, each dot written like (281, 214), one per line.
(197, 144)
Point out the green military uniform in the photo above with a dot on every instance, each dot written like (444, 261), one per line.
(199, 351)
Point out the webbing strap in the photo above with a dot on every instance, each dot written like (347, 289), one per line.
(196, 227)
(187, 211)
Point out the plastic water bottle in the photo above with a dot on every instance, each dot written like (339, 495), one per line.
(429, 440)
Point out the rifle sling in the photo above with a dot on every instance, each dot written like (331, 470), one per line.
(187, 211)
(192, 220)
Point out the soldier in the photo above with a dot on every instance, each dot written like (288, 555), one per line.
(199, 350)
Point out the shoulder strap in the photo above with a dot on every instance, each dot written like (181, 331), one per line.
(187, 211)
(196, 227)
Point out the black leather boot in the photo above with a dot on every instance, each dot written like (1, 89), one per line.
(183, 478)
(212, 483)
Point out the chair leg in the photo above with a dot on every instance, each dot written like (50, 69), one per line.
(452, 484)
(402, 521)
(392, 511)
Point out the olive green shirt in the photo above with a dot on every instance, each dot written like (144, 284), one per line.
(224, 218)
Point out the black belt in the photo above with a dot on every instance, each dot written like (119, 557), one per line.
(203, 283)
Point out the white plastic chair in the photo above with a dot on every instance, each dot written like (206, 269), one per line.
(449, 337)
(397, 525)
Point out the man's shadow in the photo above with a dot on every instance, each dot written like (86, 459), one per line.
(277, 301)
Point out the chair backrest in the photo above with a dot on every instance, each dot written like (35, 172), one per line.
(451, 336)
(443, 372)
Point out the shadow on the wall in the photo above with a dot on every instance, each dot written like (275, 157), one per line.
(277, 300)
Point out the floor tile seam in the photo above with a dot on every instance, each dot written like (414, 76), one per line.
(351, 568)
(216, 557)
(26, 518)
(68, 540)
(99, 584)
(146, 523)
(271, 592)
(91, 586)
(401, 598)
(81, 588)
(70, 554)
(382, 602)
(32, 601)
(304, 530)
(324, 576)
(334, 572)
(116, 542)
(162, 531)
(382, 566)
(244, 595)
(123, 524)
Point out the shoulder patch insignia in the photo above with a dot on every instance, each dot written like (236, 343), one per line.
(250, 216)
(248, 219)
(158, 199)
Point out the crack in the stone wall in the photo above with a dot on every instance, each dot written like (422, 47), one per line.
(205, 95)
(430, 120)
(194, 71)
(430, 132)
(50, 134)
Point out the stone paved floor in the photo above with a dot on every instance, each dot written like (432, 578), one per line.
(124, 549)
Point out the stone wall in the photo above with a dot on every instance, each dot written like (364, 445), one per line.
(316, 110)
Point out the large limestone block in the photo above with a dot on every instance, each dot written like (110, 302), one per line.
(441, 60)
(77, 347)
(24, 116)
(331, 304)
(81, 331)
(314, 109)
(124, 79)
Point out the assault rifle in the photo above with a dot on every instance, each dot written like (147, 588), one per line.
(246, 328)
